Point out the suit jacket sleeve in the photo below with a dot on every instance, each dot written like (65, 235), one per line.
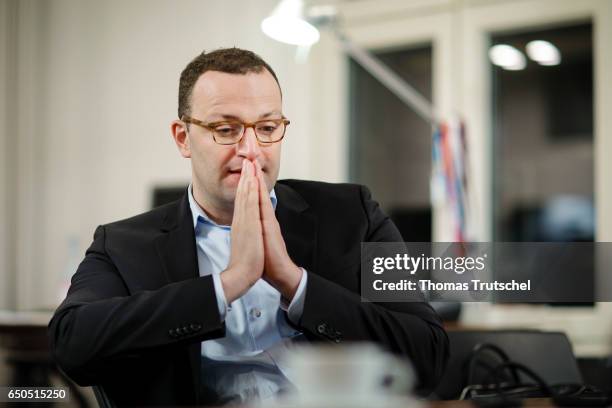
(100, 323)
(412, 329)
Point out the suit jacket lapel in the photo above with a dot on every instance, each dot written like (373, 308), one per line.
(176, 247)
(176, 244)
(298, 225)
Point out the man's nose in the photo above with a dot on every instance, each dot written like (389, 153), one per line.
(249, 147)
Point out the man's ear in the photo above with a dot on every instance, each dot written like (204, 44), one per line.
(181, 138)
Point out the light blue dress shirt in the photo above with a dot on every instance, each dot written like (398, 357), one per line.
(244, 365)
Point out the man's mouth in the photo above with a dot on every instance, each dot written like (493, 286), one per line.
(239, 171)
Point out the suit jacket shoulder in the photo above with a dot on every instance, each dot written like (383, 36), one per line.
(332, 202)
(147, 221)
(318, 193)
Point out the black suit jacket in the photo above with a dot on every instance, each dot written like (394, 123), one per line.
(137, 309)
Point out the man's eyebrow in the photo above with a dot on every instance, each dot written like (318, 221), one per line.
(224, 116)
(234, 117)
(267, 115)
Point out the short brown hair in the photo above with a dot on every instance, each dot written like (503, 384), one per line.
(229, 60)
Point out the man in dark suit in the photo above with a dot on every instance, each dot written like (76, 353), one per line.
(193, 302)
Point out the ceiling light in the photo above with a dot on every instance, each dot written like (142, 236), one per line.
(287, 24)
(507, 57)
(543, 52)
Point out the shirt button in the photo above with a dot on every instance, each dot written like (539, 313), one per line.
(256, 313)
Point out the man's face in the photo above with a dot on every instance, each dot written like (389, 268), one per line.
(218, 96)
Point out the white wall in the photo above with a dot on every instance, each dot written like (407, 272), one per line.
(7, 191)
(89, 88)
(97, 89)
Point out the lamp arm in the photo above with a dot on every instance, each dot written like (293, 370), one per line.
(390, 79)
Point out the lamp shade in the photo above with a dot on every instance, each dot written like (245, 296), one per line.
(287, 24)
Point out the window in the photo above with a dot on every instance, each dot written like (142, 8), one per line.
(543, 140)
(390, 145)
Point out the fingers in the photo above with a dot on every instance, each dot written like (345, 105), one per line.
(265, 203)
(241, 193)
(247, 198)
(263, 190)
(246, 204)
(247, 252)
(241, 182)
(252, 190)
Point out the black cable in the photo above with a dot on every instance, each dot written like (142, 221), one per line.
(526, 370)
(479, 349)
(503, 390)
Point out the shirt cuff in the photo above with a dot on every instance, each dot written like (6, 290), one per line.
(220, 294)
(296, 307)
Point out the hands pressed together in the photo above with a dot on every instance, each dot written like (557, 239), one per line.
(257, 249)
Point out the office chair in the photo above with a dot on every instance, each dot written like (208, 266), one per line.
(102, 397)
(549, 354)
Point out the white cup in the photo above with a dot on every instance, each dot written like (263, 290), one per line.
(358, 374)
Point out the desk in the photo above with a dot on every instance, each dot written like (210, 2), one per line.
(23, 335)
(529, 402)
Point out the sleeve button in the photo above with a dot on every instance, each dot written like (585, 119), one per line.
(322, 328)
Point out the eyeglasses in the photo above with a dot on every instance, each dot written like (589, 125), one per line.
(267, 131)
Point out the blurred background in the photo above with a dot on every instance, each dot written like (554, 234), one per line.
(88, 90)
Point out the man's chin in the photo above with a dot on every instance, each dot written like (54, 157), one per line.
(229, 188)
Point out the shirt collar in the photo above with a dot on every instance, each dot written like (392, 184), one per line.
(200, 215)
